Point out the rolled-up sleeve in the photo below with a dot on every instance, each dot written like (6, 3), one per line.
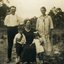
(6, 20)
(20, 20)
(14, 41)
(51, 23)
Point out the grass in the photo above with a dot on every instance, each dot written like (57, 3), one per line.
(58, 49)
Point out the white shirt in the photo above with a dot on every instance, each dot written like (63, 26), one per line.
(12, 20)
(18, 37)
(44, 24)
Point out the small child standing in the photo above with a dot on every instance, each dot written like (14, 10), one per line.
(39, 48)
(19, 41)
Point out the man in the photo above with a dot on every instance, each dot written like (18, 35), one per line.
(12, 22)
(44, 26)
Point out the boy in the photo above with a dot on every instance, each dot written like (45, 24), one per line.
(19, 41)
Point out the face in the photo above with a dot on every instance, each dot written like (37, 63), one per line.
(12, 10)
(43, 11)
(20, 31)
(28, 24)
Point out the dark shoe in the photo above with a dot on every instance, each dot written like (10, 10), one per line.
(9, 60)
(18, 63)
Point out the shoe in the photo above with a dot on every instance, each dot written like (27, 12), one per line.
(18, 63)
(9, 60)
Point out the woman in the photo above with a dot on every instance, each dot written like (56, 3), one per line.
(29, 52)
(44, 26)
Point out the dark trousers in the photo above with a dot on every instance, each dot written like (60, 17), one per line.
(12, 31)
(19, 49)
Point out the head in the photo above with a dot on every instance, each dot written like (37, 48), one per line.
(28, 23)
(43, 10)
(20, 29)
(12, 10)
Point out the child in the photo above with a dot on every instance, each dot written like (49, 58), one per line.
(19, 41)
(39, 48)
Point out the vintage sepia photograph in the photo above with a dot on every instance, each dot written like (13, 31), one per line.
(31, 31)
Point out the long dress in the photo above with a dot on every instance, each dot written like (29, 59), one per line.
(44, 25)
(29, 52)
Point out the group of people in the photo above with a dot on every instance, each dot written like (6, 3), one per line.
(30, 43)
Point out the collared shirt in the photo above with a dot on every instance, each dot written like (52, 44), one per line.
(19, 39)
(44, 24)
(12, 20)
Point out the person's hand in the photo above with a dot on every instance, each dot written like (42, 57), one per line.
(40, 39)
(22, 45)
(18, 39)
(30, 44)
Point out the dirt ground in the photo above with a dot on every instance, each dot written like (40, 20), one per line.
(57, 58)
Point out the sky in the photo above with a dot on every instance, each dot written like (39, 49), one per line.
(31, 8)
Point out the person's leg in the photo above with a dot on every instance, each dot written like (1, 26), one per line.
(41, 58)
(37, 59)
(18, 52)
(9, 50)
(10, 44)
(28, 62)
(21, 51)
(11, 33)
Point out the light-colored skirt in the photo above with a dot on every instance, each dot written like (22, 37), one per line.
(39, 47)
(47, 45)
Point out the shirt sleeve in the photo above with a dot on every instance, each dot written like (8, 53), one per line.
(37, 24)
(6, 20)
(20, 20)
(14, 40)
(51, 23)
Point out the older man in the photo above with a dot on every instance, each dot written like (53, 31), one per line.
(44, 26)
(12, 22)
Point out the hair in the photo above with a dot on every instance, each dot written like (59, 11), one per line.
(43, 8)
(25, 21)
(20, 27)
(12, 7)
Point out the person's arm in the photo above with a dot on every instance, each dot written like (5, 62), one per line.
(14, 40)
(24, 39)
(32, 43)
(6, 20)
(20, 20)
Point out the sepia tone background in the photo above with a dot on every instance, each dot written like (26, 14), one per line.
(31, 9)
